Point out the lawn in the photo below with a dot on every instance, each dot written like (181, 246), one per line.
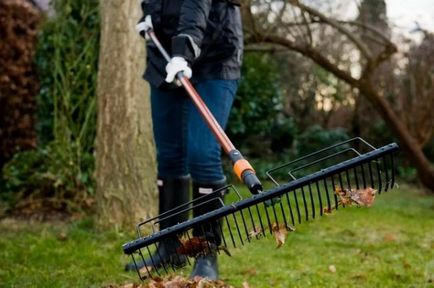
(388, 245)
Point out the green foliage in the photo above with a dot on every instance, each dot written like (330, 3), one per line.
(67, 61)
(257, 112)
(42, 173)
(316, 138)
(67, 58)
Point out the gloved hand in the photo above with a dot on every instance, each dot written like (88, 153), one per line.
(177, 64)
(143, 26)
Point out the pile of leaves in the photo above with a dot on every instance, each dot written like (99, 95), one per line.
(177, 281)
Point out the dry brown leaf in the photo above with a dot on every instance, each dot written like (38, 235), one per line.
(363, 197)
(144, 271)
(280, 232)
(359, 197)
(327, 210)
(175, 282)
(199, 246)
(255, 232)
(194, 247)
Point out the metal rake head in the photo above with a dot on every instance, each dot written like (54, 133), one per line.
(318, 183)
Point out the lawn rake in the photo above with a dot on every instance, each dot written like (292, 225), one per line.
(304, 189)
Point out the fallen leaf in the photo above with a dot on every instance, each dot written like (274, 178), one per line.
(196, 246)
(175, 282)
(360, 197)
(62, 236)
(199, 246)
(255, 232)
(280, 232)
(363, 197)
(144, 271)
(246, 285)
(327, 211)
(389, 238)
(332, 268)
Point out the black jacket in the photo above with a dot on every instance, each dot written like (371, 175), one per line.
(207, 33)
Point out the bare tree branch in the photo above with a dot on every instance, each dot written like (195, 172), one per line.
(335, 24)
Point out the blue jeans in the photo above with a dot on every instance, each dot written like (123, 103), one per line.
(185, 144)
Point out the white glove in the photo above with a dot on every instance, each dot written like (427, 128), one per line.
(144, 26)
(176, 65)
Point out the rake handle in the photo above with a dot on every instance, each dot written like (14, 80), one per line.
(241, 166)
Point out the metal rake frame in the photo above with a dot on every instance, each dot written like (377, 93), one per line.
(300, 199)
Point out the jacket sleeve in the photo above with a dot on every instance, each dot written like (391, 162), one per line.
(192, 25)
(149, 7)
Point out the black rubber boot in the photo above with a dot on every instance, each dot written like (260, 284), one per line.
(173, 192)
(206, 265)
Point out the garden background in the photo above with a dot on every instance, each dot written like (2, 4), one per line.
(77, 156)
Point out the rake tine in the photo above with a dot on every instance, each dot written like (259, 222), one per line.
(347, 176)
(244, 224)
(253, 223)
(334, 194)
(327, 193)
(275, 215)
(150, 256)
(356, 178)
(363, 176)
(380, 184)
(283, 213)
(371, 175)
(297, 207)
(146, 267)
(162, 262)
(392, 168)
(311, 201)
(230, 232)
(260, 220)
(268, 218)
(290, 209)
(386, 172)
(319, 198)
(238, 229)
(206, 238)
(342, 188)
(188, 259)
(305, 205)
(219, 224)
(188, 237)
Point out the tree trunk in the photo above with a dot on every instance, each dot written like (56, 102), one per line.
(125, 161)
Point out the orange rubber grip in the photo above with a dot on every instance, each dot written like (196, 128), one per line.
(240, 166)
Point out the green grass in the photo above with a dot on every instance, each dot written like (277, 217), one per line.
(388, 245)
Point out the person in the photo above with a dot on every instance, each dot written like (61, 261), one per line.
(205, 41)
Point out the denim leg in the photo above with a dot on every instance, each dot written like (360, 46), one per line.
(204, 152)
(169, 119)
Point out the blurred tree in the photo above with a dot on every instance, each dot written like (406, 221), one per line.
(125, 164)
(416, 97)
(295, 26)
(373, 13)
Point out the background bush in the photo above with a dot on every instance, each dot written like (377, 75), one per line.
(61, 167)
